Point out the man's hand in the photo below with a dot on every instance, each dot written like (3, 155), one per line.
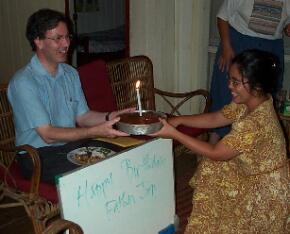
(225, 59)
(115, 114)
(287, 30)
(106, 129)
(227, 52)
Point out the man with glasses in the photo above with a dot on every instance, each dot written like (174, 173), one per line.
(48, 101)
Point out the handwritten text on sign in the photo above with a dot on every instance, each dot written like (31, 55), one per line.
(87, 193)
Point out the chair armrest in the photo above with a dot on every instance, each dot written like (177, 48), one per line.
(184, 97)
(33, 153)
(61, 225)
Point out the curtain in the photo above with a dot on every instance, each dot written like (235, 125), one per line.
(192, 39)
(174, 35)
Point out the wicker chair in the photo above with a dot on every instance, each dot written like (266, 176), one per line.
(61, 225)
(40, 211)
(123, 75)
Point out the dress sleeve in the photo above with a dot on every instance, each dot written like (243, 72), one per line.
(244, 136)
(232, 111)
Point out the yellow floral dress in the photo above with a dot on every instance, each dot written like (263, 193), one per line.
(249, 193)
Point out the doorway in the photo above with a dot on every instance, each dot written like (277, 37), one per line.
(101, 29)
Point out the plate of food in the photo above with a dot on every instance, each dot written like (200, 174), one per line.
(88, 155)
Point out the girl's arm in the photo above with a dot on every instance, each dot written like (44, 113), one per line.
(207, 120)
(215, 152)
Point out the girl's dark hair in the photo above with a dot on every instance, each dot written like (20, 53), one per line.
(261, 68)
(41, 21)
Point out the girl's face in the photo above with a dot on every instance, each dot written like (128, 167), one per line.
(239, 86)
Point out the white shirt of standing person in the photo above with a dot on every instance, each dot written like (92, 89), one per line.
(257, 18)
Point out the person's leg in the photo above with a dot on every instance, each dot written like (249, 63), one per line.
(220, 95)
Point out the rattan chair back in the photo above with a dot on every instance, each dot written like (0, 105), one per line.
(7, 134)
(124, 74)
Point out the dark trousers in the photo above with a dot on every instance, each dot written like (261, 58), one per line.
(54, 159)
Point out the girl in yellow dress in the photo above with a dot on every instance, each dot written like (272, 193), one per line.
(242, 183)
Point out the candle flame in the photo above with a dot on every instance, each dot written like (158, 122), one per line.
(138, 84)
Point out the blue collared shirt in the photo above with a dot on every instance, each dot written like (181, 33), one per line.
(38, 99)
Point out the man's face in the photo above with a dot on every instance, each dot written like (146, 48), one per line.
(54, 47)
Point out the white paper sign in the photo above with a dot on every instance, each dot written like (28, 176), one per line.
(131, 192)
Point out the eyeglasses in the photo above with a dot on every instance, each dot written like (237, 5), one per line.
(235, 83)
(59, 38)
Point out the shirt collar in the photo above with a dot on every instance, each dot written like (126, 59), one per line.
(40, 69)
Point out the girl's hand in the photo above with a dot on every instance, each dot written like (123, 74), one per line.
(174, 121)
(287, 30)
(167, 131)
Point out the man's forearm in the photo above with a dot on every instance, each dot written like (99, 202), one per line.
(224, 31)
(91, 118)
(56, 134)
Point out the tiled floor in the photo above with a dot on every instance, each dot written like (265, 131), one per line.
(14, 220)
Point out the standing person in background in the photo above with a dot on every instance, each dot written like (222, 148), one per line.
(246, 24)
(48, 103)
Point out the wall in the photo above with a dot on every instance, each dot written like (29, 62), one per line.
(152, 31)
(174, 34)
(15, 49)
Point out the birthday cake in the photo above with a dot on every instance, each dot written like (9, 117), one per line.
(135, 118)
(135, 124)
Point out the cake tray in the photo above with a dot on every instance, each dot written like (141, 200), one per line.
(141, 129)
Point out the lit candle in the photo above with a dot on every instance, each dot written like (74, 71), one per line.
(138, 97)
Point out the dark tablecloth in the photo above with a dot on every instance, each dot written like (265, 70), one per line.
(54, 159)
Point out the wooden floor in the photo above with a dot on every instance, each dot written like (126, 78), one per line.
(14, 220)
(184, 168)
